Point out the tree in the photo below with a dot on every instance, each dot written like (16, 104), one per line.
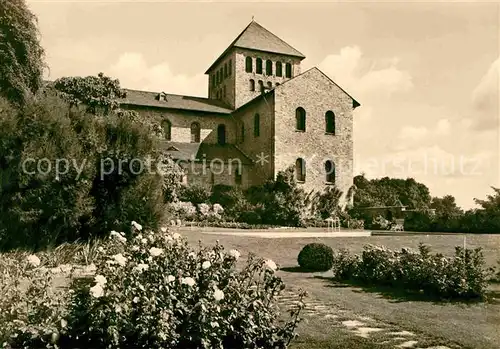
(22, 57)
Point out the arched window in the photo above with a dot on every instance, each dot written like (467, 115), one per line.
(242, 138)
(224, 91)
(230, 68)
(288, 70)
(248, 64)
(195, 132)
(269, 84)
(214, 81)
(256, 125)
(261, 86)
(330, 172)
(225, 70)
(166, 125)
(300, 119)
(258, 68)
(217, 77)
(279, 69)
(237, 175)
(330, 122)
(221, 74)
(252, 85)
(221, 134)
(269, 67)
(300, 170)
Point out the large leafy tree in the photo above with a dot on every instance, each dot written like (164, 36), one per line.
(21, 55)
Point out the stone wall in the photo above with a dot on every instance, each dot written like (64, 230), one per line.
(182, 120)
(263, 145)
(314, 92)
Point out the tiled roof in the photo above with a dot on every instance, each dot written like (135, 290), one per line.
(200, 151)
(256, 37)
(150, 99)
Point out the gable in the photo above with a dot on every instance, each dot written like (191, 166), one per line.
(315, 73)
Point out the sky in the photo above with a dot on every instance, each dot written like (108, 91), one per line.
(426, 73)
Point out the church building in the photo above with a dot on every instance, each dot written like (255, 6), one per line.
(262, 115)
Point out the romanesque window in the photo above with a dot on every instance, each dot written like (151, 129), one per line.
(330, 172)
(237, 175)
(221, 134)
(269, 67)
(195, 132)
(269, 84)
(288, 70)
(225, 70)
(166, 125)
(256, 125)
(300, 119)
(300, 170)
(217, 77)
(230, 68)
(330, 122)
(279, 69)
(261, 86)
(252, 85)
(248, 64)
(258, 68)
(224, 91)
(214, 82)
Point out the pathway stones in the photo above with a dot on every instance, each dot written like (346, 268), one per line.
(362, 326)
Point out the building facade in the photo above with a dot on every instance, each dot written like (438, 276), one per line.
(262, 115)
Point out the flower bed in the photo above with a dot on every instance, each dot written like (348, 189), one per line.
(463, 276)
(150, 290)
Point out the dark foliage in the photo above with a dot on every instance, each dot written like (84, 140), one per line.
(316, 257)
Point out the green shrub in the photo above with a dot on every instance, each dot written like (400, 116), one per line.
(316, 257)
(153, 290)
(463, 276)
(196, 194)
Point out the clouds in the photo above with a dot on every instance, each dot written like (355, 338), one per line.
(134, 72)
(485, 99)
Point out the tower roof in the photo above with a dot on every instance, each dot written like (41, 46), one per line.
(256, 37)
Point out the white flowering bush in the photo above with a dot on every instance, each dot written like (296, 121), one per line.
(184, 210)
(155, 291)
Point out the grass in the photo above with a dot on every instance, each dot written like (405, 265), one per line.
(472, 325)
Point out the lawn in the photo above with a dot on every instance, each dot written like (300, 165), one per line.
(473, 325)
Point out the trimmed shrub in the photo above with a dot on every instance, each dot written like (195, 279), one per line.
(316, 257)
(195, 194)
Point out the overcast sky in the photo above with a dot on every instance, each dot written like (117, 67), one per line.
(426, 74)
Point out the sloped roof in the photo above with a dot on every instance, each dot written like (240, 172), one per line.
(172, 101)
(256, 37)
(201, 151)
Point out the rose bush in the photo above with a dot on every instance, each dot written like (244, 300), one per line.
(152, 290)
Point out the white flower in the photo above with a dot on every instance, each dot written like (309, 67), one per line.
(100, 249)
(191, 254)
(136, 225)
(270, 265)
(97, 291)
(218, 294)
(155, 252)
(120, 259)
(135, 300)
(176, 236)
(118, 309)
(214, 324)
(114, 233)
(33, 260)
(235, 254)
(135, 248)
(188, 281)
(144, 241)
(119, 236)
(141, 267)
(170, 278)
(64, 323)
(101, 280)
(163, 229)
(206, 265)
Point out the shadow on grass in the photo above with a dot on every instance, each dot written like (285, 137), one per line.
(398, 295)
(297, 269)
